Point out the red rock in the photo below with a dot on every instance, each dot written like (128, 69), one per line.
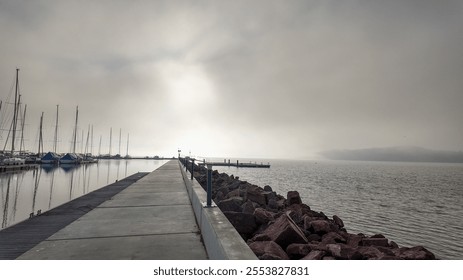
(248, 207)
(392, 244)
(299, 212)
(383, 242)
(333, 237)
(343, 251)
(354, 240)
(268, 250)
(314, 237)
(281, 203)
(263, 216)
(269, 196)
(272, 205)
(293, 197)
(297, 251)
(314, 255)
(255, 194)
(231, 204)
(244, 223)
(284, 232)
(417, 253)
(338, 221)
(370, 253)
(317, 226)
(233, 193)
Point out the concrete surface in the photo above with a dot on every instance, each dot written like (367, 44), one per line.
(151, 219)
(221, 239)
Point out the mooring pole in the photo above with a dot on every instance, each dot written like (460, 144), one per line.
(209, 186)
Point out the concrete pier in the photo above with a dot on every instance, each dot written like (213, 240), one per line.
(151, 219)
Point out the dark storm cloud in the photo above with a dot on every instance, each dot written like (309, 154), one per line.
(259, 78)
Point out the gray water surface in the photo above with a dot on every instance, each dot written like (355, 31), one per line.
(26, 192)
(410, 203)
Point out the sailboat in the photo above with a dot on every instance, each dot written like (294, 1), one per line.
(53, 157)
(72, 158)
(11, 159)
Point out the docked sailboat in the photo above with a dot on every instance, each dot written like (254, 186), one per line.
(72, 158)
(12, 158)
(53, 157)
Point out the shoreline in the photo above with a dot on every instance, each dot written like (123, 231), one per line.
(283, 227)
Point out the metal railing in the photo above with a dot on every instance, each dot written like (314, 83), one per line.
(186, 162)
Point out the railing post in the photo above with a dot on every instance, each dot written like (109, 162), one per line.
(192, 168)
(209, 186)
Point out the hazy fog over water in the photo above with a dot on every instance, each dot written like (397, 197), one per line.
(238, 78)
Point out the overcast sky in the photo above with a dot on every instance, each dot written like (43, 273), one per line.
(265, 79)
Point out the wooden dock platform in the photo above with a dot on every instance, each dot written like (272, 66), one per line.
(242, 165)
(19, 167)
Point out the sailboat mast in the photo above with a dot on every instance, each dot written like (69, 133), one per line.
(15, 113)
(127, 154)
(120, 136)
(110, 139)
(91, 141)
(21, 146)
(88, 139)
(75, 132)
(99, 148)
(40, 150)
(55, 140)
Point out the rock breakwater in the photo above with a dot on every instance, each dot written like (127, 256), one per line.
(280, 227)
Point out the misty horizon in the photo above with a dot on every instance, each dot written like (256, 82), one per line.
(259, 79)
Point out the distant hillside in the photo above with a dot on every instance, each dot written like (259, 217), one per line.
(411, 154)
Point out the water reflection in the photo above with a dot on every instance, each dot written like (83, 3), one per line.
(25, 194)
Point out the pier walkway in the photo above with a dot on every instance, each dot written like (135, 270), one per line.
(151, 219)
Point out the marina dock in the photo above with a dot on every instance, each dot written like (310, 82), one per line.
(149, 216)
(237, 164)
(14, 168)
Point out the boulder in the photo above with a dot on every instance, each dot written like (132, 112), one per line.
(313, 237)
(315, 255)
(233, 193)
(272, 205)
(333, 237)
(244, 223)
(338, 221)
(342, 251)
(268, 250)
(267, 188)
(293, 197)
(269, 196)
(284, 232)
(370, 253)
(416, 253)
(317, 226)
(263, 216)
(234, 184)
(231, 204)
(354, 240)
(297, 251)
(299, 212)
(255, 194)
(373, 241)
(248, 207)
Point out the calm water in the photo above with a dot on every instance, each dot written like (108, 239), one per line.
(410, 203)
(22, 193)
